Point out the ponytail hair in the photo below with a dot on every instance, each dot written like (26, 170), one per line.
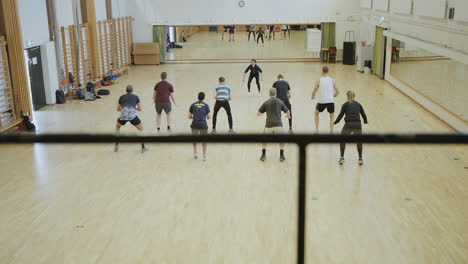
(350, 94)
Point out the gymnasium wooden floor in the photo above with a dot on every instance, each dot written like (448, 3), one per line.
(86, 204)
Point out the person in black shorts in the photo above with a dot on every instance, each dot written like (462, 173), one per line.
(255, 72)
(325, 91)
(232, 32)
(199, 112)
(260, 34)
(283, 93)
(128, 106)
(352, 110)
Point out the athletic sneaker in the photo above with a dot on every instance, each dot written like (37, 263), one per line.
(282, 158)
(195, 156)
(341, 161)
(361, 162)
(205, 158)
(213, 131)
(290, 131)
(263, 157)
(231, 131)
(143, 150)
(116, 148)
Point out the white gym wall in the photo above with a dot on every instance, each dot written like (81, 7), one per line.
(220, 12)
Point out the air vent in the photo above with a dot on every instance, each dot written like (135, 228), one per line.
(451, 15)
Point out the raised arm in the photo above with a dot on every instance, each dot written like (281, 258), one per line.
(337, 92)
(363, 114)
(340, 116)
(314, 92)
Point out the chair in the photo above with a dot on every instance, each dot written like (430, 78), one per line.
(332, 53)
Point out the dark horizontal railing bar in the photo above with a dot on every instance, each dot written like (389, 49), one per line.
(242, 138)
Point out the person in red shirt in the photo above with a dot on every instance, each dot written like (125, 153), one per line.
(163, 94)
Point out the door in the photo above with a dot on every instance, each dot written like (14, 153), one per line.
(36, 78)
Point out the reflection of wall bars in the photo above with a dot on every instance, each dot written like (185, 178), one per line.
(114, 49)
(7, 107)
(114, 43)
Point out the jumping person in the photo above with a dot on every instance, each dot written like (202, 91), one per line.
(255, 72)
(128, 106)
(162, 96)
(222, 96)
(327, 90)
(273, 107)
(251, 30)
(260, 34)
(283, 93)
(199, 112)
(232, 31)
(352, 111)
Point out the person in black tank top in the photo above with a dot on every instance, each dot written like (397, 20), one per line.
(352, 110)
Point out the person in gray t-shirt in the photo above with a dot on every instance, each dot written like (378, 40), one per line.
(273, 107)
(128, 106)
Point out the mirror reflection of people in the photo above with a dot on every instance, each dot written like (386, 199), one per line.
(225, 30)
(232, 32)
(352, 110)
(251, 31)
(271, 32)
(255, 72)
(260, 34)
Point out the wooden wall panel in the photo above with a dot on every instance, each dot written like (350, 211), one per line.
(9, 28)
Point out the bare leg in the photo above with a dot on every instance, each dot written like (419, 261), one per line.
(117, 133)
(140, 130)
(204, 145)
(158, 120)
(332, 118)
(169, 119)
(317, 121)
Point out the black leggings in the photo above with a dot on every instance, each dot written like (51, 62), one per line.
(258, 39)
(288, 105)
(222, 104)
(251, 32)
(349, 129)
(271, 33)
(257, 79)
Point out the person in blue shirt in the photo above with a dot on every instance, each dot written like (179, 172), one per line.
(199, 112)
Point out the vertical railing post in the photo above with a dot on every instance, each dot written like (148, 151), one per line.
(301, 204)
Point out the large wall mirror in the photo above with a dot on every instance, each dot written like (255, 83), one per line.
(440, 79)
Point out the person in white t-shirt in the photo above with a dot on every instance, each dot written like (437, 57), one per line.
(327, 90)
